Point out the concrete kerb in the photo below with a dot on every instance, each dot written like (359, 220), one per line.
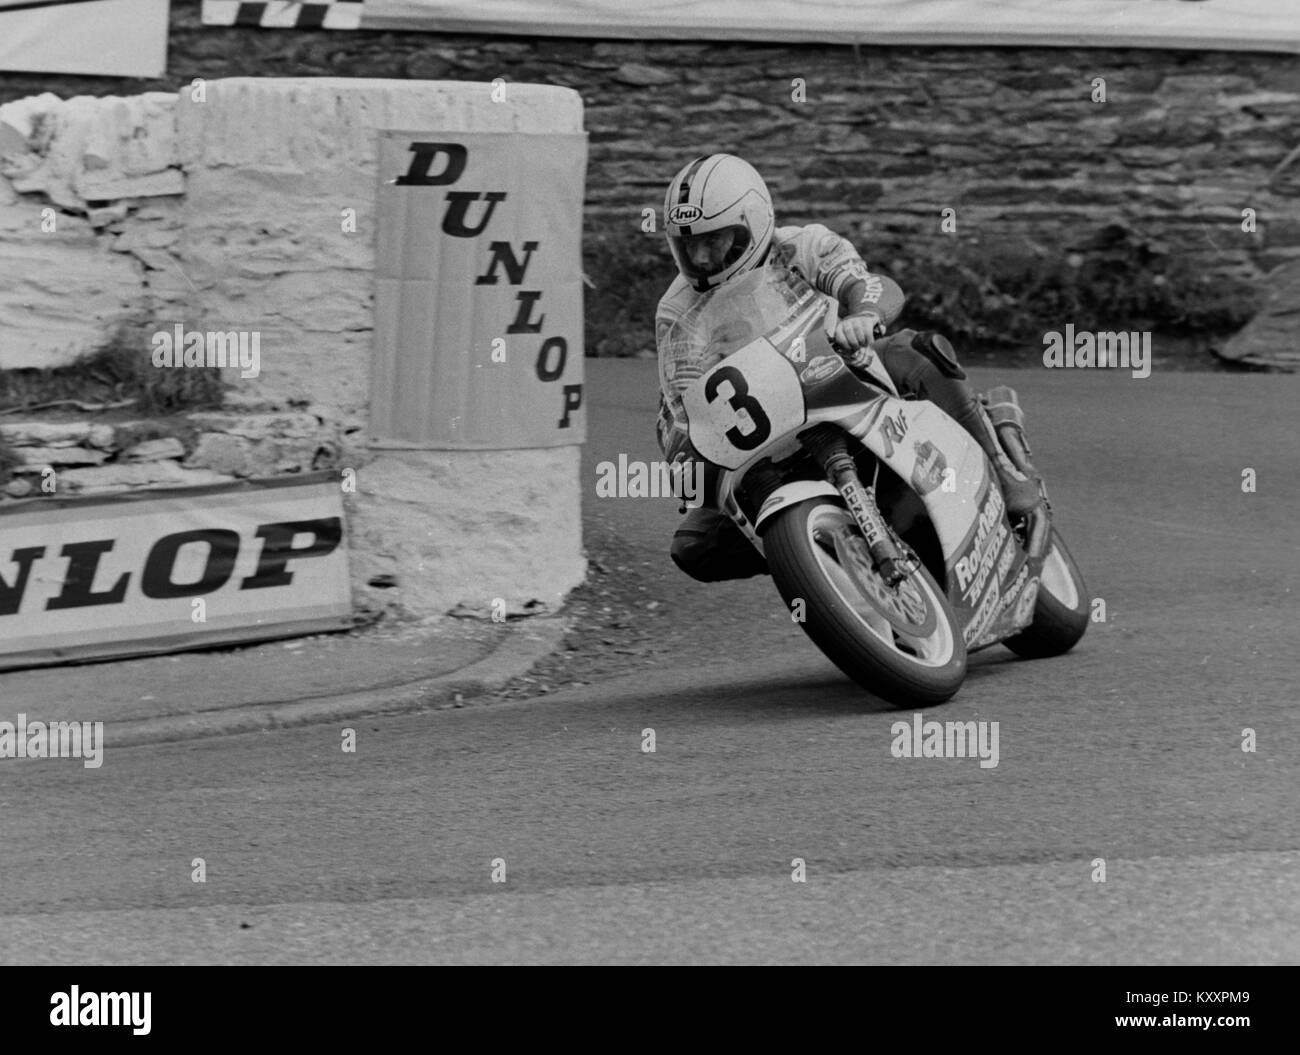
(523, 645)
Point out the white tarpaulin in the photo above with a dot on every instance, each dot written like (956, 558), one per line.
(116, 38)
(478, 291)
(1256, 25)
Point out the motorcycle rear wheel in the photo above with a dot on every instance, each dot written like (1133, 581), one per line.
(905, 644)
(1061, 610)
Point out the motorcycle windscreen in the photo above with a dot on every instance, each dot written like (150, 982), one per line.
(767, 302)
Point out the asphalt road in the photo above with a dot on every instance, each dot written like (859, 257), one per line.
(1127, 750)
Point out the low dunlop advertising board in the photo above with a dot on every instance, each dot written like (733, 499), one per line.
(478, 291)
(167, 570)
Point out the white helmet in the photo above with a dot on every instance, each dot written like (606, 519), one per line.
(718, 218)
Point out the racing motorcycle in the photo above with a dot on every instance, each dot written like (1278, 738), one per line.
(880, 518)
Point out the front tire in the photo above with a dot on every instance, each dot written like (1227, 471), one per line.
(1061, 610)
(904, 645)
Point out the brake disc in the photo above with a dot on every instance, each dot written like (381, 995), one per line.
(903, 606)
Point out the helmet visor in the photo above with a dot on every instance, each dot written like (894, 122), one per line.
(701, 256)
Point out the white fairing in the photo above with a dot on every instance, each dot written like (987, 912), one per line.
(788, 494)
(880, 375)
(925, 446)
(917, 440)
(729, 371)
(757, 375)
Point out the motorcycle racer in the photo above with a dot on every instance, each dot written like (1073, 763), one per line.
(720, 223)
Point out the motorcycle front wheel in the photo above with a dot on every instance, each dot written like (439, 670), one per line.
(902, 643)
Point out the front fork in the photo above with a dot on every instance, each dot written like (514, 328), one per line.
(832, 450)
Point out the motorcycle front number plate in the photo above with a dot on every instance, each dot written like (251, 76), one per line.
(748, 401)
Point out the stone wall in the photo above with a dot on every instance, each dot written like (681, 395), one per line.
(1009, 138)
(222, 212)
(876, 141)
(88, 456)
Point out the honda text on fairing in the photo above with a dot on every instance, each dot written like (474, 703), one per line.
(880, 518)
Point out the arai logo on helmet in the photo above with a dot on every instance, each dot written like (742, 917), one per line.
(684, 213)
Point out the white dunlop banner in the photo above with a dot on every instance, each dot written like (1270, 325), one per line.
(118, 38)
(1251, 25)
(478, 291)
(161, 571)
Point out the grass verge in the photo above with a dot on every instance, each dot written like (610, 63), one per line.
(119, 373)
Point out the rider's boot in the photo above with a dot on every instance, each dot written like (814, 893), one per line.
(1019, 482)
(1008, 421)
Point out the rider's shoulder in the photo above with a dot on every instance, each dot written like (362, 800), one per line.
(806, 244)
(795, 235)
(816, 237)
(676, 299)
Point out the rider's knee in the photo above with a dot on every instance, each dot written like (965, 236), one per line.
(717, 555)
(690, 552)
(913, 373)
(939, 350)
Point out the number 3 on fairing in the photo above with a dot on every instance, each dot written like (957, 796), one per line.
(740, 400)
(747, 402)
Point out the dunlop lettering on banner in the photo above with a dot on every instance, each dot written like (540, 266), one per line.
(478, 291)
(163, 571)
